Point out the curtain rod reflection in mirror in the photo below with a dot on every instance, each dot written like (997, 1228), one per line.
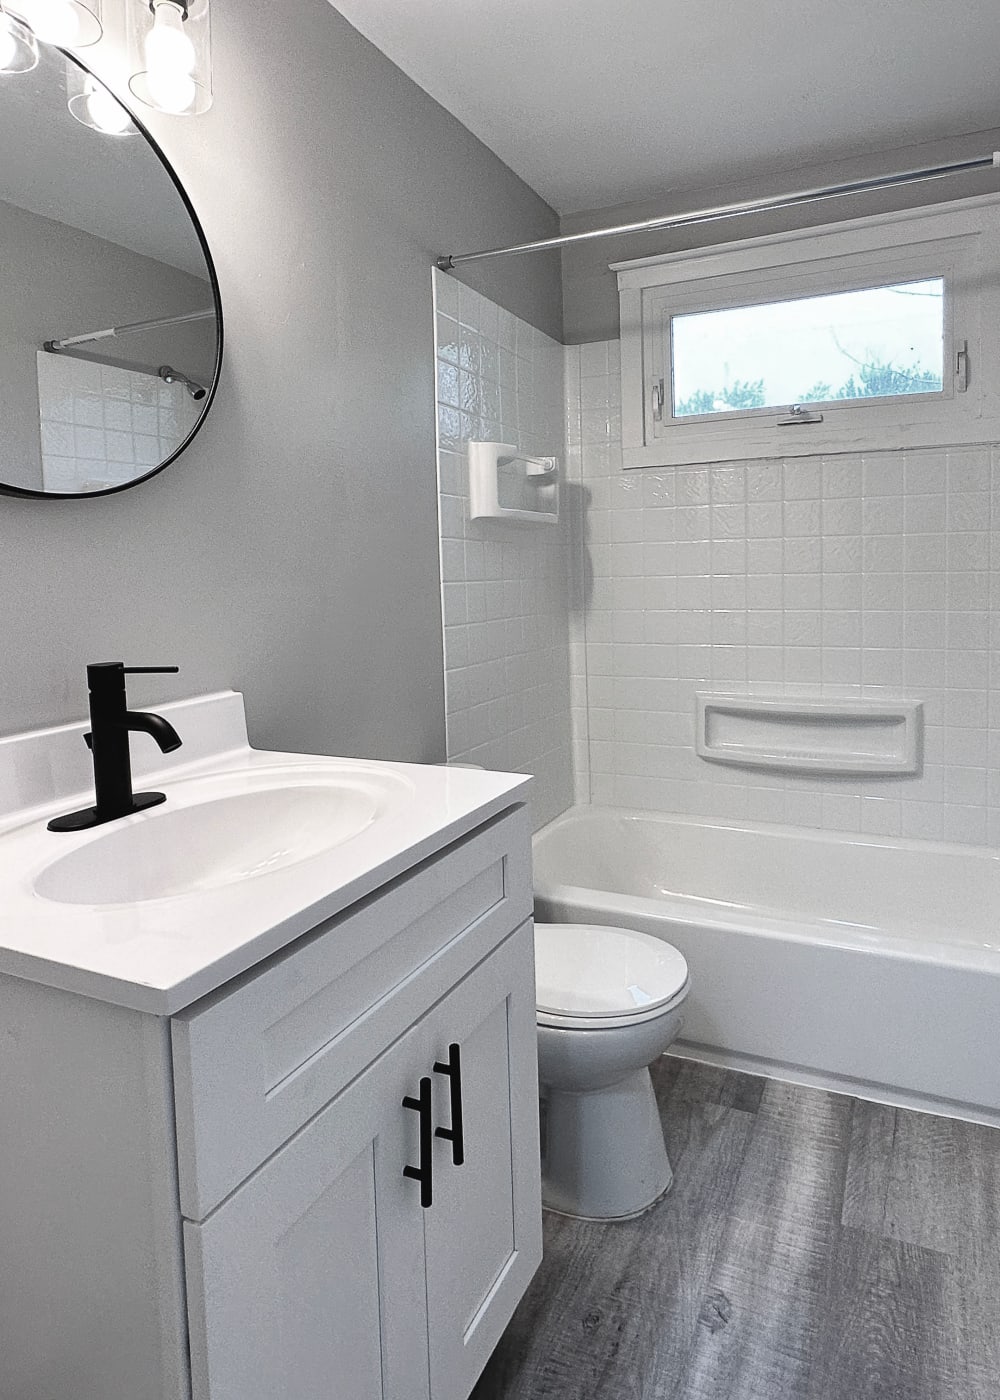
(54, 346)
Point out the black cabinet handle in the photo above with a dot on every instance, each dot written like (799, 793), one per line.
(456, 1133)
(423, 1173)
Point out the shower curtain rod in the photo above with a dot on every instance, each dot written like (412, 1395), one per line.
(731, 211)
(54, 345)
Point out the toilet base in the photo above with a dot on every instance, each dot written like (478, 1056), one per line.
(603, 1155)
(610, 1219)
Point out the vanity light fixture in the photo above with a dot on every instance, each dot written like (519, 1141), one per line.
(72, 24)
(170, 55)
(93, 105)
(18, 49)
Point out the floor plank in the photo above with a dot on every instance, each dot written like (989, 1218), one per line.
(772, 1264)
(893, 1336)
(922, 1179)
(927, 1191)
(813, 1247)
(869, 1162)
(677, 1078)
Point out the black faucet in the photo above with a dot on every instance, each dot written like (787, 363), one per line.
(111, 721)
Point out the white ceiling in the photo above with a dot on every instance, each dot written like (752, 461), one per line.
(596, 103)
(114, 187)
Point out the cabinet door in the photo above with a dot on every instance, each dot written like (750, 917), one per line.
(484, 1233)
(309, 1280)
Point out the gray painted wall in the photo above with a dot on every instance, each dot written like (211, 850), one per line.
(59, 282)
(590, 290)
(292, 552)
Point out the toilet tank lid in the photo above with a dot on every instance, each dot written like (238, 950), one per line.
(595, 970)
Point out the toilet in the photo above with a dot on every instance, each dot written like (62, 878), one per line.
(609, 1002)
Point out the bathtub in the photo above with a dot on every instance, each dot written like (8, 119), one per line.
(862, 964)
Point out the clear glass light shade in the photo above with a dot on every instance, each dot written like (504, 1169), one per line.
(170, 55)
(71, 24)
(94, 105)
(18, 49)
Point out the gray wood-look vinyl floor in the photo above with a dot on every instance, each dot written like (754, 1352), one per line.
(813, 1247)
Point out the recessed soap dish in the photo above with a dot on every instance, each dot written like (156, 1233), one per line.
(859, 736)
(506, 484)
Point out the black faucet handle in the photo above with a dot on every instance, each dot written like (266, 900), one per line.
(152, 670)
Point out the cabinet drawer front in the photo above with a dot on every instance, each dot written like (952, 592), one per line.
(253, 1064)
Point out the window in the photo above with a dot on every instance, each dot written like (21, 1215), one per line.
(857, 337)
(880, 342)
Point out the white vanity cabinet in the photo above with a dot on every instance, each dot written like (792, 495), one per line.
(214, 1205)
(324, 1276)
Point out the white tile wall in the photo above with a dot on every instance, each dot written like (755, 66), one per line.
(841, 576)
(102, 425)
(505, 587)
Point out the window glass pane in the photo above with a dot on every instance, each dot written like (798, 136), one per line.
(875, 343)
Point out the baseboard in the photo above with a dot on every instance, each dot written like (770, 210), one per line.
(834, 1083)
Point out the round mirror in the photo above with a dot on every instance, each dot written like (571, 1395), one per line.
(111, 334)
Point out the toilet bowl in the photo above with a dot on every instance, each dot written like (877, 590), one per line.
(609, 1003)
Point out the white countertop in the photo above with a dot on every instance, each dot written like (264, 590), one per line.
(160, 955)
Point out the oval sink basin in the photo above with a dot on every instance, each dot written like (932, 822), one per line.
(186, 848)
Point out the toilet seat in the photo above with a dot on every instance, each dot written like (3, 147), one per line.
(595, 977)
(593, 1024)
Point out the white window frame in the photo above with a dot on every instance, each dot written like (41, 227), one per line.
(960, 243)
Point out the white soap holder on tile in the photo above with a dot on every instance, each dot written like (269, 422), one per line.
(505, 484)
(863, 737)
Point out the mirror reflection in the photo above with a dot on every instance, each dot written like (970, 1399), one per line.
(110, 338)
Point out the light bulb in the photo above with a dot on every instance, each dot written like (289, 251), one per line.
(105, 111)
(18, 49)
(166, 43)
(170, 59)
(8, 44)
(54, 21)
(171, 92)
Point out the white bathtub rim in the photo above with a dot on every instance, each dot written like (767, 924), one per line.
(919, 945)
(618, 909)
(868, 1090)
(822, 835)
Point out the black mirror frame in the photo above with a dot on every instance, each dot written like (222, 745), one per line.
(25, 494)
